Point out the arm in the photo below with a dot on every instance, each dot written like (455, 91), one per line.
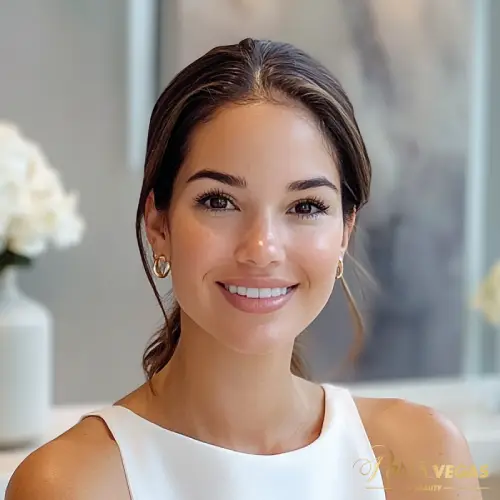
(426, 456)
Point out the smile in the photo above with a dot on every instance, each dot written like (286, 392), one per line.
(261, 300)
(257, 293)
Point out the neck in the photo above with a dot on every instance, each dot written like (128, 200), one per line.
(240, 401)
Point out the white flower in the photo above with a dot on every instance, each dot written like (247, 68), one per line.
(487, 299)
(35, 211)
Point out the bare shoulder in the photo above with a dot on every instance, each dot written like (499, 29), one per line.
(419, 450)
(83, 463)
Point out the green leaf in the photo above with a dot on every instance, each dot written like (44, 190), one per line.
(8, 258)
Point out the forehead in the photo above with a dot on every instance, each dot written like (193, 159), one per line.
(261, 140)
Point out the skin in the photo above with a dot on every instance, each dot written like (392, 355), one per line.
(230, 375)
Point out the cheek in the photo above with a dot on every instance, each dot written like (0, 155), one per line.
(195, 248)
(319, 253)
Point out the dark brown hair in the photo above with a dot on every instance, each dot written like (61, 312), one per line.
(252, 70)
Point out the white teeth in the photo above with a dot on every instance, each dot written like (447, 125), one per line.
(256, 293)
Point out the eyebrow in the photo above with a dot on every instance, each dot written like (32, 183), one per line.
(240, 182)
(314, 182)
(228, 179)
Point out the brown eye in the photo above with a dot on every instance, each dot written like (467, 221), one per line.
(304, 208)
(218, 203)
(309, 208)
(215, 201)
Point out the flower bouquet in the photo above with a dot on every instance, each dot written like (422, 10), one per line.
(35, 211)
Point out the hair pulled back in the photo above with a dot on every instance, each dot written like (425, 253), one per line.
(252, 70)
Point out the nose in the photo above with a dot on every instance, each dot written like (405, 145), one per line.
(260, 245)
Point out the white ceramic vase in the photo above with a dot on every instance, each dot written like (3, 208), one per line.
(25, 365)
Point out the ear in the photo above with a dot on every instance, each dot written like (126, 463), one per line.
(346, 235)
(156, 228)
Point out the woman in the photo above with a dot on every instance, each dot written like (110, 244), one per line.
(255, 173)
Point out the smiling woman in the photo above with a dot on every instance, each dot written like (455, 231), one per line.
(279, 224)
(254, 175)
(329, 185)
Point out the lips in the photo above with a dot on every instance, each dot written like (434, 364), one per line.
(266, 298)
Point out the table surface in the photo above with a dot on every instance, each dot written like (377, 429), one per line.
(481, 428)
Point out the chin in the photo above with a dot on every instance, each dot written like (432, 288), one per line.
(258, 338)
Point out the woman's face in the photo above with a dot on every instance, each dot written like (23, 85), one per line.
(255, 229)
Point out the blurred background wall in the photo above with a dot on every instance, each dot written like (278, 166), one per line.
(406, 68)
(63, 82)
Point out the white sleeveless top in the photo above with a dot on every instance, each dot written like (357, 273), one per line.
(162, 464)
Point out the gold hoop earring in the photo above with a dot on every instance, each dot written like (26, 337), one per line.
(340, 270)
(161, 267)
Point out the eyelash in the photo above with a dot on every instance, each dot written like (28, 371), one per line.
(201, 199)
(321, 207)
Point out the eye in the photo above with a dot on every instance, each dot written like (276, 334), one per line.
(309, 208)
(305, 208)
(215, 201)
